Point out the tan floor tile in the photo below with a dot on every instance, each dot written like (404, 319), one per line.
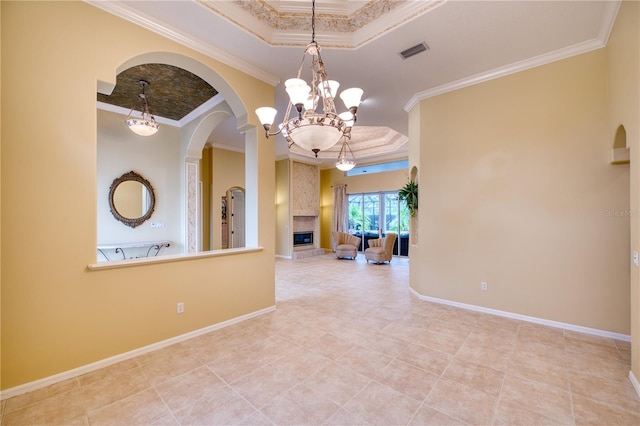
(444, 342)
(167, 363)
(327, 345)
(29, 398)
(477, 376)
(59, 408)
(263, 385)
(537, 367)
(550, 401)
(540, 337)
(488, 326)
(604, 351)
(181, 391)
(168, 420)
(589, 338)
(617, 394)
(597, 366)
(427, 416)
(591, 412)
(336, 383)
(243, 362)
(300, 405)
(427, 359)
(511, 414)
(364, 361)
(443, 326)
(381, 405)
(494, 357)
(232, 409)
(142, 408)
(620, 344)
(342, 418)
(405, 329)
(100, 389)
(407, 379)
(462, 401)
(384, 344)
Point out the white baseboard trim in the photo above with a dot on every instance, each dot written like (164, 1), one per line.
(70, 374)
(542, 321)
(634, 382)
(283, 256)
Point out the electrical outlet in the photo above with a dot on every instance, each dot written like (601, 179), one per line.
(180, 308)
(484, 286)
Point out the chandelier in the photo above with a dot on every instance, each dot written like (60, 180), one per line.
(146, 125)
(308, 128)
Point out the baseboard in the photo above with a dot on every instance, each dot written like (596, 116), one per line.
(70, 374)
(542, 321)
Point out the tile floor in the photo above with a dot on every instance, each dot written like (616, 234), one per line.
(348, 345)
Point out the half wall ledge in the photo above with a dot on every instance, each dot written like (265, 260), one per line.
(172, 258)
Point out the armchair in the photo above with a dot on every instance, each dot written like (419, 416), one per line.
(380, 249)
(346, 245)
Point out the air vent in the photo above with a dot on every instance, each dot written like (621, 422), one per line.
(407, 53)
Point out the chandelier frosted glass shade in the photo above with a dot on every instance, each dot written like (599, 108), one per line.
(315, 132)
(351, 97)
(146, 125)
(142, 127)
(346, 160)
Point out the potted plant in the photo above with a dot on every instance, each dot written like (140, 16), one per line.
(409, 194)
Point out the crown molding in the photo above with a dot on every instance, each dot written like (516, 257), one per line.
(513, 68)
(289, 26)
(577, 49)
(123, 11)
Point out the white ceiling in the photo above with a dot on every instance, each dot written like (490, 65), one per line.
(469, 41)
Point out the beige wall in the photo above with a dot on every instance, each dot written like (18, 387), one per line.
(120, 151)
(623, 54)
(56, 314)
(516, 190)
(386, 181)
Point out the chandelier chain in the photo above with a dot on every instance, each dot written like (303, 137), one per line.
(313, 21)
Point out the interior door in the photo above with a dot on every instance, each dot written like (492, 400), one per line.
(236, 217)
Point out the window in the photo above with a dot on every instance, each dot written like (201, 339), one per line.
(378, 168)
(373, 214)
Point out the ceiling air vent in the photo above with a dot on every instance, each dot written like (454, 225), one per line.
(407, 53)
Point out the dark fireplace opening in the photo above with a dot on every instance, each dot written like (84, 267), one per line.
(302, 239)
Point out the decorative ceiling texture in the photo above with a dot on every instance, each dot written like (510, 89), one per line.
(172, 92)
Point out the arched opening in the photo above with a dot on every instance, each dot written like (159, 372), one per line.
(172, 160)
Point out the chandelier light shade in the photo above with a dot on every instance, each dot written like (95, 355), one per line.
(346, 160)
(146, 124)
(311, 120)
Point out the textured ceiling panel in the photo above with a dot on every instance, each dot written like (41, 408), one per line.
(172, 92)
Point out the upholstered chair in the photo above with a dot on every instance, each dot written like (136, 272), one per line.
(380, 249)
(346, 245)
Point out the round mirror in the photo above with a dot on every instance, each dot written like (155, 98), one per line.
(131, 199)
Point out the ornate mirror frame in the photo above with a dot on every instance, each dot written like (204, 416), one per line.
(132, 176)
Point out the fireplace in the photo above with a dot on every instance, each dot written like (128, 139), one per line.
(303, 239)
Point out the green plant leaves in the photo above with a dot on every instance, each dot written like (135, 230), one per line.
(409, 194)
